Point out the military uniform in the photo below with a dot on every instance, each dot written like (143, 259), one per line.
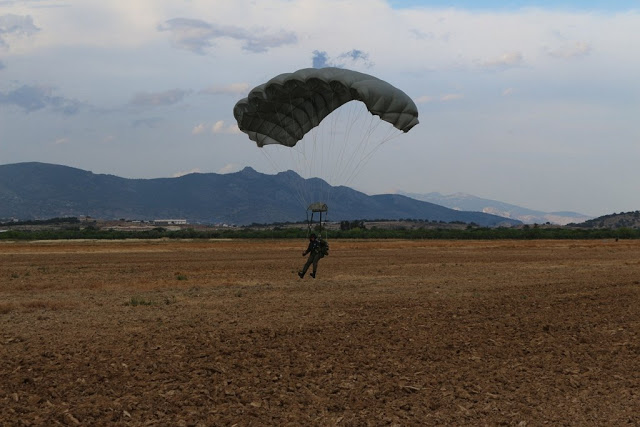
(315, 253)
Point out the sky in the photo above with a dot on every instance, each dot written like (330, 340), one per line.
(534, 103)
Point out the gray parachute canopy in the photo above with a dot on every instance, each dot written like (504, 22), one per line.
(284, 109)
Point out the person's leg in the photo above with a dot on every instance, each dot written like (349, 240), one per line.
(306, 266)
(316, 258)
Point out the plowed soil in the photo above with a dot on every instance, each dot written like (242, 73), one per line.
(390, 333)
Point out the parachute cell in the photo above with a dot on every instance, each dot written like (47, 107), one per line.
(282, 110)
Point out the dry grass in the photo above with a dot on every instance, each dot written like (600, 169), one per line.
(6, 307)
(391, 332)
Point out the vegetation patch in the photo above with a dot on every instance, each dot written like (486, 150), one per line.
(136, 300)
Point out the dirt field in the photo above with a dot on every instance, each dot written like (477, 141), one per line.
(389, 333)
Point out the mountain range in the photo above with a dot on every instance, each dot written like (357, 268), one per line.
(467, 202)
(36, 190)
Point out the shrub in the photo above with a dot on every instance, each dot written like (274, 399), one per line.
(137, 300)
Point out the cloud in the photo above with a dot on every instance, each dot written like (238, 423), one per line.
(423, 99)
(264, 42)
(451, 97)
(321, 59)
(508, 91)
(151, 122)
(61, 141)
(507, 60)
(421, 35)
(219, 127)
(574, 50)
(16, 25)
(443, 98)
(230, 89)
(199, 129)
(33, 98)
(36, 4)
(198, 36)
(183, 173)
(229, 168)
(157, 99)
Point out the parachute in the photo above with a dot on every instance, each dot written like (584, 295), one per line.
(288, 112)
(284, 109)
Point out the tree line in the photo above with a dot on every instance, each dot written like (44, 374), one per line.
(469, 233)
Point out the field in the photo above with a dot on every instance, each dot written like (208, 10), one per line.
(216, 332)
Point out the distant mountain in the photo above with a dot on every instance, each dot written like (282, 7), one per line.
(467, 202)
(41, 191)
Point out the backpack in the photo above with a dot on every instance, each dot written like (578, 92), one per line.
(324, 248)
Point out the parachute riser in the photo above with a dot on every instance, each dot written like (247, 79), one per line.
(319, 208)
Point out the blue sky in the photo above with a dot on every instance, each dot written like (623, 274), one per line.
(530, 103)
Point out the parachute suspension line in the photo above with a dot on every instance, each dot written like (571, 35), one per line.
(275, 166)
(352, 154)
(341, 164)
(368, 147)
(301, 157)
(328, 153)
(359, 147)
(365, 158)
(296, 184)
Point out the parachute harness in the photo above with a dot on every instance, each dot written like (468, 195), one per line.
(319, 208)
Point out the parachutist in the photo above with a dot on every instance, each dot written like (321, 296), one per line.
(316, 250)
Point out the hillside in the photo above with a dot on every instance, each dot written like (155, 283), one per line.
(615, 220)
(39, 191)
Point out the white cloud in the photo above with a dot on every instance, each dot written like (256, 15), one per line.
(199, 129)
(183, 173)
(506, 60)
(15, 25)
(442, 98)
(229, 168)
(451, 97)
(572, 50)
(508, 91)
(219, 127)
(423, 99)
(230, 89)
